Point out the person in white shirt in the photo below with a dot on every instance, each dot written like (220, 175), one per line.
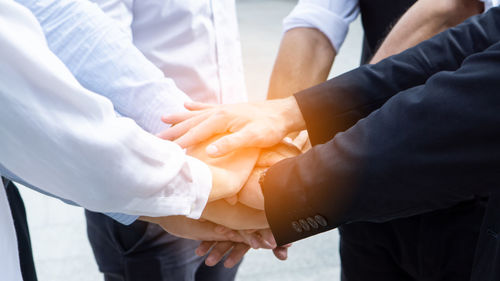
(53, 128)
(67, 140)
(314, 32)
(196, 44)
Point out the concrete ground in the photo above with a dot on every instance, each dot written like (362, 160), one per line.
(60, 245)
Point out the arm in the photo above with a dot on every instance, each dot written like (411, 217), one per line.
(314, 31)
(426, 148)
(67, 140)
(304, 60)
(104, 60)
(306, 54)
(337, 104)
(102, 57)
(423, 20)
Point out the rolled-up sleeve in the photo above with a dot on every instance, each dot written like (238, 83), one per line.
(331, 17)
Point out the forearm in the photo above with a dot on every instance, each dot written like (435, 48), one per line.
(304, 60)
(338, 104)
(427, 148)
(423, 20)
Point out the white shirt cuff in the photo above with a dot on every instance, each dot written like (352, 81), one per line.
(310, 15)
(202, 180)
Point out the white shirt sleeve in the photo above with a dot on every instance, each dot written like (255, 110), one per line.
(104, 60)
(67, 140)
(331, 17)
(120, 11)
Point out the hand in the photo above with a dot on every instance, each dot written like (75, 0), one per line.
(251, 193)
(219, 250)
(262, 124)
(184, 227)
(235, 243)
(230, 172)
(272, 155)
(236, 216)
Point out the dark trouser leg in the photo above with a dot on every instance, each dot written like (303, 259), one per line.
(22, 231)
(436, 246)
(145, 252)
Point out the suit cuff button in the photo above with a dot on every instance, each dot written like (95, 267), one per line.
(296, 227)
(312, 223)
(321, 220)
(304, 225)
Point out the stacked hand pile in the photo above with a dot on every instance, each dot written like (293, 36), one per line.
(237, 154)
(236, 200)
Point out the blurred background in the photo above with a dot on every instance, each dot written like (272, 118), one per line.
(58, 231)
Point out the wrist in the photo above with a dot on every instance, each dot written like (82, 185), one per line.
(292, 116)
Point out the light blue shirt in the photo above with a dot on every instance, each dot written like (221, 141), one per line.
(104, 60)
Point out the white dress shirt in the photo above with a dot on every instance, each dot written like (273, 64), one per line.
(104, 60)
(332, 17)
(68, 141)
(195, 43)
(206, 74)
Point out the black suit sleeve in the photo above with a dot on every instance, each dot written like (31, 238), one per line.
(426, 148)
(336, 105)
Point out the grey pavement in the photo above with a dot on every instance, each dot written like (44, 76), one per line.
(60, 245)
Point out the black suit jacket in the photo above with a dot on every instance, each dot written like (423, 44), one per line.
(417, 132)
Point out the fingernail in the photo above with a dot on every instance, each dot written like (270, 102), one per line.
(212, 149)
(283, 256)
(229, 263)
(270, 245)
(210, 261)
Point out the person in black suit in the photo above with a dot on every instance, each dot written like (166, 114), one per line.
(414, 133)
(367, 249)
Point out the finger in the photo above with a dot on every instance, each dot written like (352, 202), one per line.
(204, 248)
(232, 200)
(222, 229)
(230, 234)
(301, 140)
(179, 117)
(217, 253)
(192, 105)
(236, 254)
(281, 253)
(229, 143)
(255, 240)
(267, 236)
(181, 128)
(202, 130)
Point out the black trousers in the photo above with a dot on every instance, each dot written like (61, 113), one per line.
(436, 246)
(145, 252)
(22, 231)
